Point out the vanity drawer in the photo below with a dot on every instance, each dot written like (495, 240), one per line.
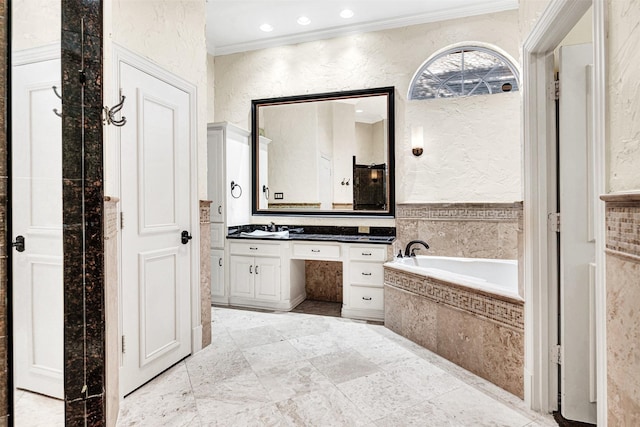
(366, 273)
(311, 251)
(366, 297)
(367, 253)
(254, 248)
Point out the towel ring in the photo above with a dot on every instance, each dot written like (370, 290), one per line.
(233, 187)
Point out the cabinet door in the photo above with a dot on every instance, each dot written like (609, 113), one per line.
(217, 273)
(267, 278)
(241, 276)
(215, 174)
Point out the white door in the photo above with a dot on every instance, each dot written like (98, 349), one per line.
(156, 205)
(37, 216)
(577, 248)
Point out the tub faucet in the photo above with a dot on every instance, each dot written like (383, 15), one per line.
(409, 251)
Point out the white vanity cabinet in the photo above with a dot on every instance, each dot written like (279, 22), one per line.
(261, 275)
(363, 278)
(228, 160)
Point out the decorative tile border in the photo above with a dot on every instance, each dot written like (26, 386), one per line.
(460, 211)
(506, 312)
(623, 225)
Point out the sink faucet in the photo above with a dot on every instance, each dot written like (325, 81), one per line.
(272, 226)
(409, 251)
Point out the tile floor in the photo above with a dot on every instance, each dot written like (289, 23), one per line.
(299, 369)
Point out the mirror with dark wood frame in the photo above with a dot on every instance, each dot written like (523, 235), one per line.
(324, 154)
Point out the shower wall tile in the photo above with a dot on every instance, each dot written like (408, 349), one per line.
(205, 271)
(623, 316)
(469, 230)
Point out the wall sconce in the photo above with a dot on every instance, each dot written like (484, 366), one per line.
(375, 175)
(417, 140)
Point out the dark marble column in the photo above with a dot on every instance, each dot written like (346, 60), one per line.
(4, 353)
(82, 172)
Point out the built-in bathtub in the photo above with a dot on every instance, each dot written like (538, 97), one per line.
(465, 309)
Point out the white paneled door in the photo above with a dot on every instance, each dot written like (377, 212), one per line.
(577, 247)
(37, 221)
(155, 147)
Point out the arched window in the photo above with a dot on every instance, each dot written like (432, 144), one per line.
(464, 71)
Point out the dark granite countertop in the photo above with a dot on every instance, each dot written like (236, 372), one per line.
(376, 235)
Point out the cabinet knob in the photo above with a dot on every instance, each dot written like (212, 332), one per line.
(366, 274)
(253, 248)
(366, 253)
(220, 262)
(315, 250)
(366, 298)
(220, 210)
(256, 269)
(251, 269)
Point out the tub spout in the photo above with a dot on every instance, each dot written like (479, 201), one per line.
(408, 251)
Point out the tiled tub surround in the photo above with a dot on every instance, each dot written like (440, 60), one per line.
(476, 330)
(469, 230)
(623, 316)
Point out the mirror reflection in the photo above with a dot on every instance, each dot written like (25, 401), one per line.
(36, 156)
(326, 153)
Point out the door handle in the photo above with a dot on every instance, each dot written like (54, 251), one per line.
(256, 269)
(185, 237)
(18, 244)
(251, 269)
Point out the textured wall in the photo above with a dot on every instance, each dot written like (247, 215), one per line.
(35, 23)
(171, 34)
(474, 140)
(623, 94)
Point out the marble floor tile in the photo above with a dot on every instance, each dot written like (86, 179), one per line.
(226, 399)
(318, 345)
(344, 365)
(247, 338)
(294, 328)
(35, 410)
(166, 400)
(292, 379)
(427, 380)
(379, 395)
(211, 367)
(272, 355)
(265, 416)
(323, 408)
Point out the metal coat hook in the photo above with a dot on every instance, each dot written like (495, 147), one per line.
(345, 181)
(55, 110)
(110, 112)
(233, 187)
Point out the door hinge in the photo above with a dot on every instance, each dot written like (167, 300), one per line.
(556, 354)
(553, 220)
(121, 220)
(122, 343)
(556, 90)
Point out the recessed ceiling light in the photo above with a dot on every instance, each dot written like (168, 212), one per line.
(303, 20)
(266, 28)
(347, 13)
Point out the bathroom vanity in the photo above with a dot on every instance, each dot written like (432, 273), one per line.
(269, 273)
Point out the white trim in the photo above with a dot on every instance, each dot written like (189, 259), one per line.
(492, 6)
(540, 280)
(126, 56)
(600, 187)
(36, 54)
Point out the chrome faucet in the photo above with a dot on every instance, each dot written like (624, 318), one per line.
(409, 251)
(272, 226)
